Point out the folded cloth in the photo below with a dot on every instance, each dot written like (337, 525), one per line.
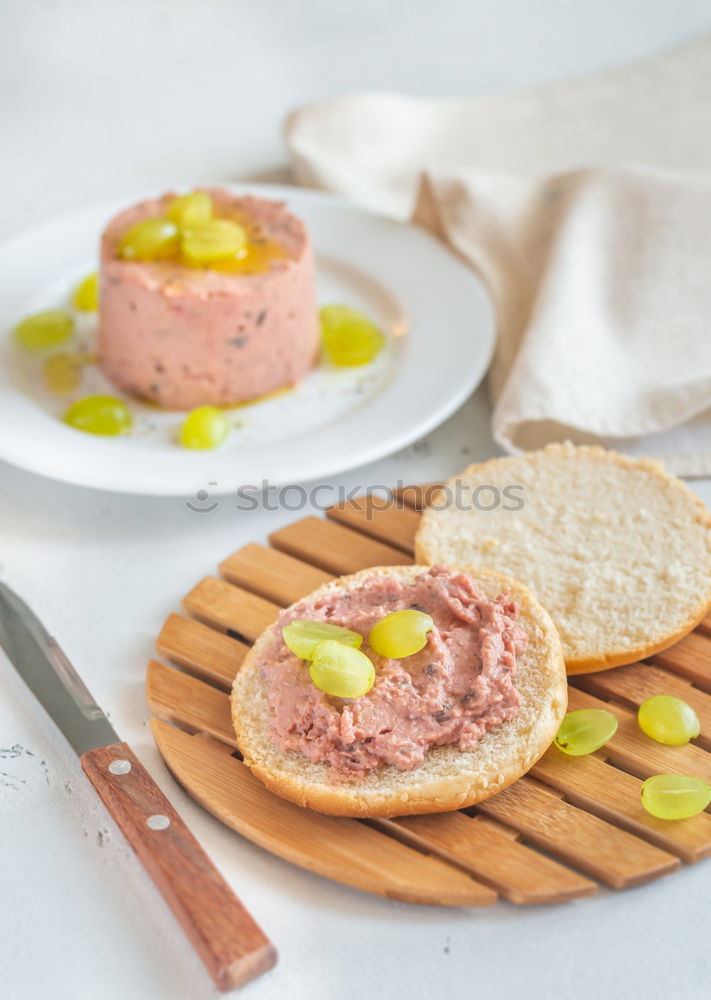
(586, 208)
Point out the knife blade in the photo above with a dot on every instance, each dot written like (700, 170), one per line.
(231, 944)
(40, 661)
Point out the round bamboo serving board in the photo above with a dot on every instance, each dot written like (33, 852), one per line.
(568, 825)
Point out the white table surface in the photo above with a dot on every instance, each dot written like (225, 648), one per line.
(99, 98)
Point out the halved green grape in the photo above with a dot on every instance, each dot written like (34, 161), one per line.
(585, 731)
(189, 210)
(62, 372)
(675, 796)
(86, 294)
(302, 636)
(400, 634)
(149, 239)
(349, 337)
(204, 427)
(44, 330)
(341, 670)
(214, 241)
(104, 415)
(668, 720)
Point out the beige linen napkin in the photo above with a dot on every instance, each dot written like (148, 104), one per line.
(586, 208)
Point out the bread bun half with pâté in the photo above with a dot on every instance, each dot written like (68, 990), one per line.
(448, 777)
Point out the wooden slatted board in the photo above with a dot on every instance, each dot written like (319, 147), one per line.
(558, 832)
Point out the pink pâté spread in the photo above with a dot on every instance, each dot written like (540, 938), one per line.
(453, 691)
(182, 336)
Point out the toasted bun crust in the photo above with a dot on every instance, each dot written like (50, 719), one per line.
(449, 778)
(616, 548)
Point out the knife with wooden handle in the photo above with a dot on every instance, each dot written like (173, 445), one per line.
(231, 944)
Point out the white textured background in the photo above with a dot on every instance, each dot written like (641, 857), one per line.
(99, 98)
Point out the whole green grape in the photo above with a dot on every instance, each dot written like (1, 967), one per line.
(302, 636)
(189, 210)
(340, 670)
(44, 330)
(349, 338)
(204, 427)
(400, 633)
(669, 720)
(675, 796)
(62, 372)
(149, 239)
(103, 415)
(213, 241)
(585, 731)
(86, 294)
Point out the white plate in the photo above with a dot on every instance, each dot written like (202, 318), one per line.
(440, 336)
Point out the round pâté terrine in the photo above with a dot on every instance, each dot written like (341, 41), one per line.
(181, 335)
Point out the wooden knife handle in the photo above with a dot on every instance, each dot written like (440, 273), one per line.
(231, 944)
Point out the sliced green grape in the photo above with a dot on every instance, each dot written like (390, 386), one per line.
(62, 372)
(668, 720)
(675, 796)
(214, 241)
(86, 294)
(349, 337)
(99, 415)
(44, 330)
(585, 731)
(188, 210)
(149, 239)
(400, 634)
(341, 670)
(302, 636)
(204, 427)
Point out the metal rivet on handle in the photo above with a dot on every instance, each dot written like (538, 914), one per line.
(158, 822)
(120, 766)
